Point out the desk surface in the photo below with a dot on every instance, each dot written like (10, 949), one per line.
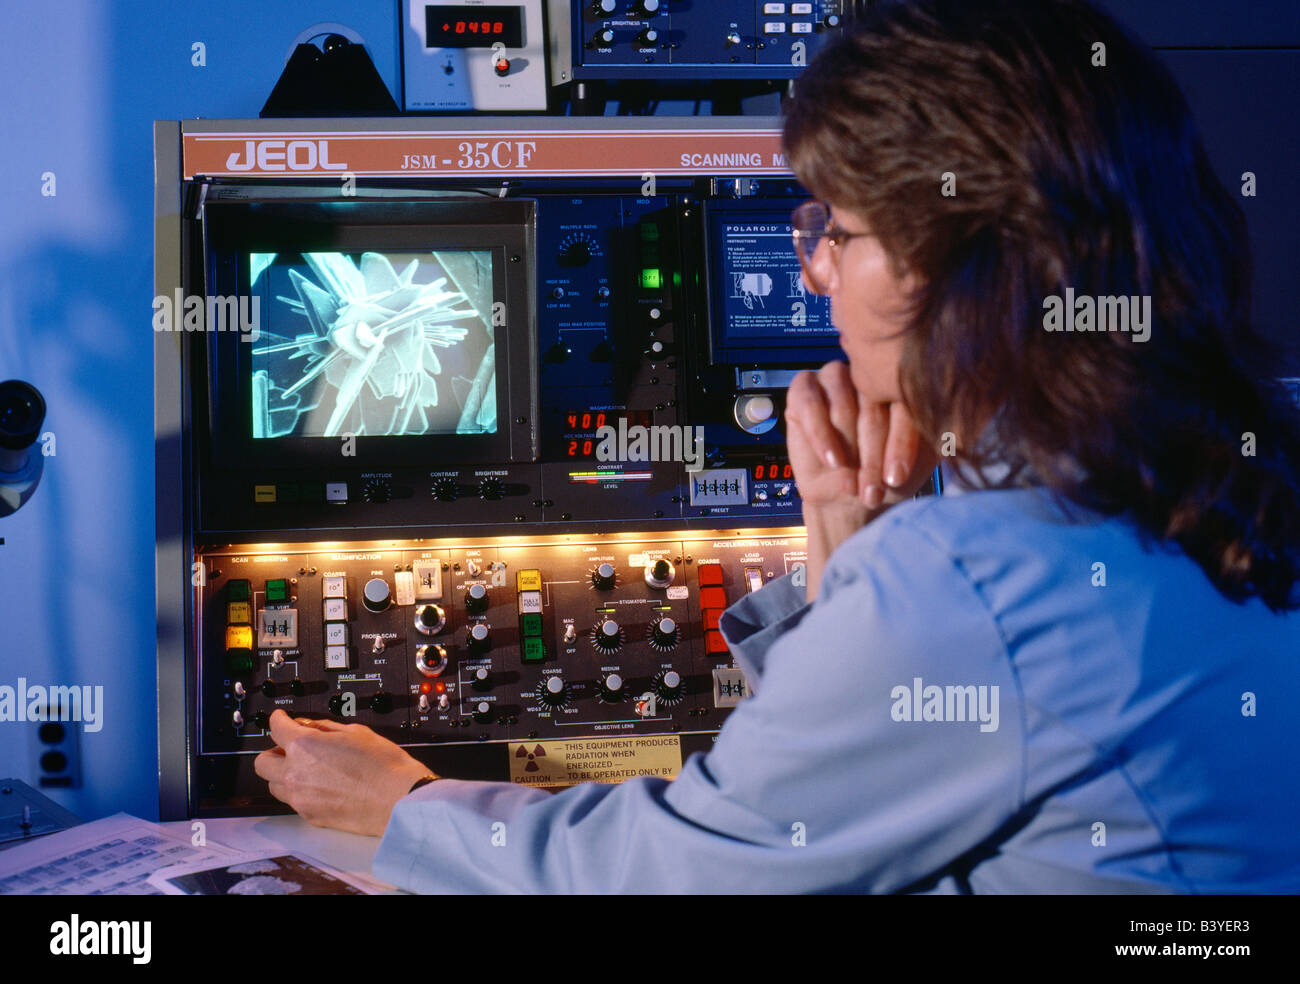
(350, 853)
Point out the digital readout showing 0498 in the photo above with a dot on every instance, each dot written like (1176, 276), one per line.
(580, 427)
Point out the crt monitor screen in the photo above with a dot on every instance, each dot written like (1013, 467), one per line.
(382, 344)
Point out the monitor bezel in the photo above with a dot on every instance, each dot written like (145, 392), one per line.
(507, 229)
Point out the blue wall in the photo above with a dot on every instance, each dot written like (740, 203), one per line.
(83, 82)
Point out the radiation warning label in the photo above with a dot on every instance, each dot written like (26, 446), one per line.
(567, 763)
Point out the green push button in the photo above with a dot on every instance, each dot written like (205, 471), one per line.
(531, 624)
(649, 232)
(651, 279)
(277, 590)
(238, 591)
(534, 651)
(240, 660)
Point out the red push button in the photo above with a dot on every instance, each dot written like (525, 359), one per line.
(713, 598)
(709, 575)
(714, 644)
(711, 616)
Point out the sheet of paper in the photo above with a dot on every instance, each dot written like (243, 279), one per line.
(264, 873)
(113, 856)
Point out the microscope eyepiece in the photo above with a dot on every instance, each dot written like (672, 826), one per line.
(22, 412)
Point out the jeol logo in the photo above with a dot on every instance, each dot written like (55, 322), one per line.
(195, 313)
(656, 443)
(280, 155)
(77, 939)
(933, 703)
(37, 703)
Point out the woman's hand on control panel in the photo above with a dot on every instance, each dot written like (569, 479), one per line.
(337, 775)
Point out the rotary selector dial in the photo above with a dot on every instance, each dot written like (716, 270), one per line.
(446, 490)
(669, 687)
(552, 692)
(429, 619)
(430, 660)
(491, 489)
(663, 634)
(377, 490)
(607, 636)
(577, 248)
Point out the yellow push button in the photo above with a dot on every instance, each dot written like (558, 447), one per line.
(239, 637)
(239, 613)
(263, 493)
(530, 580)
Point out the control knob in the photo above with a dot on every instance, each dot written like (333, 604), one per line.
(610, 689)
(483, 712)
(482, 679)
(669, 687)
(552, 692)
(607, 636)
(430, 660)
(430, 619)
(479, 637)
(376, 596)
(603, 576)
(381, 702)
(476, 598)
(664, 633)
(659, 574)
(445, 490)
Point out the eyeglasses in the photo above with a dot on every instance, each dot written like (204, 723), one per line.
(810, 224)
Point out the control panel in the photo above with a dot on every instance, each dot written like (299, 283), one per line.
(443, 644)
(689, 39)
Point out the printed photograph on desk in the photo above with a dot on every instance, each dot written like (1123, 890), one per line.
(271, 873)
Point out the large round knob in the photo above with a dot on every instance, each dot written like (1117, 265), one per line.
(430, 660)
(552, 692)
(430, 619)
(610, 689)
(476, 598)
(482, 712)
(479, 637)
(664, 633)
(602, 7)
(659, 574)
(376, 596)
(646, 7)
(669, 687)
(607, 636)
(603, 38)
(647, 37)
(603, 576)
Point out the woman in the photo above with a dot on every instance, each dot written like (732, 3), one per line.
(1071, 676)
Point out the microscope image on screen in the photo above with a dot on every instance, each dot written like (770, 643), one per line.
(352, 346)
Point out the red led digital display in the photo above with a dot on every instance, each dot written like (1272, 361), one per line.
(464, 26)
(773, 470)
(580, 427)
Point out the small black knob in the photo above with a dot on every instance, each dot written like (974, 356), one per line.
(335, 704)
(381, 702)
(491, 489)
(445, 490)
(268, 688)
(296, 687)
(261, 720)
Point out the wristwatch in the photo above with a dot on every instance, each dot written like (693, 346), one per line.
(422, 781)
